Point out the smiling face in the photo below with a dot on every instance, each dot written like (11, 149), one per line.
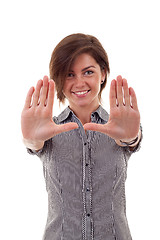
(83, 83)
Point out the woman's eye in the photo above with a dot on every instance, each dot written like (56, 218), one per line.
(88, 72)
(70, 74)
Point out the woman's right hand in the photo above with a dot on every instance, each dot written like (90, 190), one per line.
(36, 120)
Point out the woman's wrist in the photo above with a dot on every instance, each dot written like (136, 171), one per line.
(130, 143)
(33, 145)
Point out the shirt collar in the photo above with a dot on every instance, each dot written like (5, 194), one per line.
(67, 112)
(102, 113)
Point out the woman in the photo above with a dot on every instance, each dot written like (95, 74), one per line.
(84, 150)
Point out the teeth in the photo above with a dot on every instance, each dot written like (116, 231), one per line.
(81, 93)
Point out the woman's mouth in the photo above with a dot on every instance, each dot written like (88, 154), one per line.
(81, 93)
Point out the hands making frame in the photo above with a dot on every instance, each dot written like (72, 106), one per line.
(36, 120)
(38, 126)
(124, 119)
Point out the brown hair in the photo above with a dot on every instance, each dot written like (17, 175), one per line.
(65, 53)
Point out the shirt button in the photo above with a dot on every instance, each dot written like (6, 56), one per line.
(85, 143)
(88, 189)
(87, 164)
(88, 215)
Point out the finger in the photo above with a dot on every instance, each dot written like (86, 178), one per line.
(50, 99)
(133, 98)
(126, 92)
(113, 94)
(37, 93)
(119, 91)
(44, 90)
(95, 127)
(29, 98)
(65, 127)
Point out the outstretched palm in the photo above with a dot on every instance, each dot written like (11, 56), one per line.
(124, 119)
(36, 119)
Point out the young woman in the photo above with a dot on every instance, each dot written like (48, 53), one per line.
(84, 150)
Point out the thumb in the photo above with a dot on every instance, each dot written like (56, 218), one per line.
(65, 127)
(95, 127)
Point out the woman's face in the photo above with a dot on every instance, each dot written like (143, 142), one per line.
(83, 82)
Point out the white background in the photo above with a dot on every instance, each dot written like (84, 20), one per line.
(129, 31)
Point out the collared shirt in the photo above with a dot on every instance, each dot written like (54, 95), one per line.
(85, 176)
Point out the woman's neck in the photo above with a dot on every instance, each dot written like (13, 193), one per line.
(84, 114)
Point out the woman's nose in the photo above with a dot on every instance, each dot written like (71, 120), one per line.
(79, 81)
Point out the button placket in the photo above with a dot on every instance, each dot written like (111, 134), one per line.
(87, 194)
(83, 193)
(90, 185)
(87, 221)
(84, 142)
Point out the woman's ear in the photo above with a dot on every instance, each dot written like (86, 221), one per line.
(102, 81)
(103, 73)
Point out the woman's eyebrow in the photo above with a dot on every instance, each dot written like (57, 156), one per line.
(87, 68)
(84, 68)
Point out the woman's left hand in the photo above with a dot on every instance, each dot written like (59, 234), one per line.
(124, 119)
